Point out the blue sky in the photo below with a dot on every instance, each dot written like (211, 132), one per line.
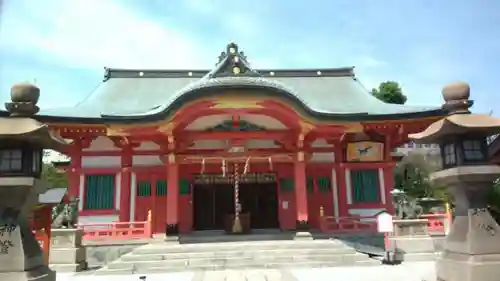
(64, 45)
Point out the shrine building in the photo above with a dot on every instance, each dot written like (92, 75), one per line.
(172, 141)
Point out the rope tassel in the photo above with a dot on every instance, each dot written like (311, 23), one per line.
(237, 227)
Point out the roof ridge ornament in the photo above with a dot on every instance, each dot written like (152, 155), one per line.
(232, 62)
(24, 98)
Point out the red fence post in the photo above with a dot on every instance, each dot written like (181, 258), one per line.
(149, 227)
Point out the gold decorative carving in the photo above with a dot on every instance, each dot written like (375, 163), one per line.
(236, 103)
(365, 151)
(166, 127)
(171, 142)
(300, 156)
(353, 127)
(116, 131)
(300, 140)
(305, 127)
(171, 158)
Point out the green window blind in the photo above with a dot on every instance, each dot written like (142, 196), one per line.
(286, 185)
(310, 185)
(144, 189)
(324, 184)
(161, 188)
(365, 185)
(99, 192)
(184, 187)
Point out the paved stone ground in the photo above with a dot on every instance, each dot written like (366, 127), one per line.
(411, 271)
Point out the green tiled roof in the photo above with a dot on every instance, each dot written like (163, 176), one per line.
(146, 95)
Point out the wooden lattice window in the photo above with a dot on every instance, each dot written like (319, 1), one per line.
(365, 185)
(184, 187)
(99, 192)
(286, 185)
(324, 184)
(161, 188)
(144, 189)
(310, 185)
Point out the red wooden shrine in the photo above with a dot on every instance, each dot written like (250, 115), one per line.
(324, 141)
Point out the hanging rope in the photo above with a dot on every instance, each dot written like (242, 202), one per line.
(236, 191)
(247, 166)
(237, 228)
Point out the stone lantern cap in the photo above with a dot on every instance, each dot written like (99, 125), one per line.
(460, 120)
(20, 126)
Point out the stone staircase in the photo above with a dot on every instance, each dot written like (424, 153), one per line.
(166, 257)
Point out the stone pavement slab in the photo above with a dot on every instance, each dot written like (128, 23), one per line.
(411, 271)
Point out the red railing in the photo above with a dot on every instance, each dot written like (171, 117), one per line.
(355, 224)
(43, 237)
(118, 230)
(436, 222)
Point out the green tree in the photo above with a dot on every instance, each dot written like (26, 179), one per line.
(52, 175)
(411, 175)
(389, 92)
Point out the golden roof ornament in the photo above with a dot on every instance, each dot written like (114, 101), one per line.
(232, 62)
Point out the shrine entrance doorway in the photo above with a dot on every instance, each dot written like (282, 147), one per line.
(213, 202)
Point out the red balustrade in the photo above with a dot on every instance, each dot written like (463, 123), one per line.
(368, 224)
(43, 237)
(354, 224)
(436, 222)
(118, 230)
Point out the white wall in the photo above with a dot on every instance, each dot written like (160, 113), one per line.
(102, 143)
(101, 161)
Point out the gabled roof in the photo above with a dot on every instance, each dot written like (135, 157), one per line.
(150, 95)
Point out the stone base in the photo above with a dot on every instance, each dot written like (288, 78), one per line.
(303, 236)
(472, 249)
(172, 239)
(40, 274)
(465, 267)
(415, 244)
(172, 230)
(67, 253)
(75, 267)
(301, 225)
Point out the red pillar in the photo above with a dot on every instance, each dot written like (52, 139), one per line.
(302, 222)
(172, 228)
(75, 166)
(389, 186)
(125, 177)
(342, 191)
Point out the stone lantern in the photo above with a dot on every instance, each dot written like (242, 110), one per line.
(22, 140)
(472, 248)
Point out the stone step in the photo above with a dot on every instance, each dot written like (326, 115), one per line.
(348, 258)
(219, 266)
(134, 256)
(239, 246)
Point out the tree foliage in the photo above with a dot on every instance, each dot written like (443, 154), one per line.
(389, 92)
(411, 175)
(53, 176)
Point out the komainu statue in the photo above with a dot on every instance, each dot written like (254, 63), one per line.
(65, 215)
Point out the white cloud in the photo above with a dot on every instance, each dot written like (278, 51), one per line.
(93, 34)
